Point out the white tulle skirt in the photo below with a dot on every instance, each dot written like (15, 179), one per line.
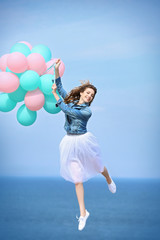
(80, 157)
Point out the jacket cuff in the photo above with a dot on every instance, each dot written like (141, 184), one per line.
(58, 102)
(58, 79)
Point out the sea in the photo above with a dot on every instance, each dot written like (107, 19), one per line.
(45, 208)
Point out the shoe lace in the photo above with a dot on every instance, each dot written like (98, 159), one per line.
(79, 218)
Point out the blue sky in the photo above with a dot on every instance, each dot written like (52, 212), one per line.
(114, 44)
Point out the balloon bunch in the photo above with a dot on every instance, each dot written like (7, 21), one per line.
(27, 75)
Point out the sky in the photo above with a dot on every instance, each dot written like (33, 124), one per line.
(116, 45)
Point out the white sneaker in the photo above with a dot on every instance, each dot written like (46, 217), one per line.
(82, 221)
(112, 187)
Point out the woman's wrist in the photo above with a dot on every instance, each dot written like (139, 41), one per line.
(56, 73)
(56, 95)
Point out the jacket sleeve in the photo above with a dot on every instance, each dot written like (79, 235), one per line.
(60, 89)
(84, 114)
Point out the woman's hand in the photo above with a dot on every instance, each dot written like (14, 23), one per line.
(54, 88)
(58, 63)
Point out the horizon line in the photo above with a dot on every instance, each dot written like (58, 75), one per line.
(93, 178)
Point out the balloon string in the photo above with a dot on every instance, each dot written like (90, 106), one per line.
(53, 80)
(53, 65)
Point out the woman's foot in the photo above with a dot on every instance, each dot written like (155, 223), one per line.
(82, 221)
(112, 186)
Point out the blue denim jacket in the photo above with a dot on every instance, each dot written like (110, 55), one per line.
(76, 116)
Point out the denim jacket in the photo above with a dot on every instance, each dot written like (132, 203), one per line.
(76, 116)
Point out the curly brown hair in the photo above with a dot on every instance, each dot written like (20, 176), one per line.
(74, 95)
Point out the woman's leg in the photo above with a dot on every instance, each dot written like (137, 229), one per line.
(80, 197)
(106, 175)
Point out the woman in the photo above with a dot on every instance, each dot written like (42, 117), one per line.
(79, 151)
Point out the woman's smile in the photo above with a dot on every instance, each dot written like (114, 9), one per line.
(87, 95)
(88, 99)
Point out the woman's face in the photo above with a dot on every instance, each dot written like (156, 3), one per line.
(88, 95)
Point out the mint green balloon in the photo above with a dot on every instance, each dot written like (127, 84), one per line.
(25, 116)
(18, 74)
(43, 50)
(46, 84)
(6, 104)
(29, 80)
(49, 104)
(18, 95)
(22, 48)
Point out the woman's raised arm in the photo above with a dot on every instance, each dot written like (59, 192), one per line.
(58, 82)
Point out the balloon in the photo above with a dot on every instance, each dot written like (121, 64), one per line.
(61, 67)
(24, 76)
(18, 95)
(3, 62)
(27, 43)
(36, 63)
(6, 104)
(17, 62)
(22, 48)
(49, 105)
(43, 50)
(17, 74)
(25, 116)
(9, 82)
(29, 80)
(34, 100)
(46, 84)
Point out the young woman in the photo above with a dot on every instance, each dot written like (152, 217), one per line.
(80, 157)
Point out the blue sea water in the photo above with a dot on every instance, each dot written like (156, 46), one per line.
(46, 209)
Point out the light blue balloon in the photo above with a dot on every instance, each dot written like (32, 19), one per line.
(22, 48)
(18, 74)
(6, 104)
(49, 104)
(25, 116)
(29, 80)
(43, 50)
(18, 95)
(46, 84)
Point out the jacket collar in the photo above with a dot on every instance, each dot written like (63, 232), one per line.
(83, 104)
(79, 106)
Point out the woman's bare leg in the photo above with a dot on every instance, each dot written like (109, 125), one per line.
(80, 197)
(106, 175)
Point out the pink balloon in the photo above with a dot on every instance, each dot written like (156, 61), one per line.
(9, 82)
(3, 62)
(27, 43)
(34, 100)
(17, 62)
(61, 67)
(36, 63)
